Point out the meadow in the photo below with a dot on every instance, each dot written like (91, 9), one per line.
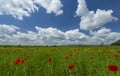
(60, 61)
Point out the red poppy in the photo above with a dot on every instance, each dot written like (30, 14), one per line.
(113, 68)
(16, 61)
(77, 52)
(91, 58)
(47, 55)
(18, 50)
(7, 52)
(115, 55)
(22, 61)
(71, 55)
(66, 57)
(50, 60)
(70, 67)
(26, 57)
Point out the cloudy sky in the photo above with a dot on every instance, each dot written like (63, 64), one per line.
(59, 22)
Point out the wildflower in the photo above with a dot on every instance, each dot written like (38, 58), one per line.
(70, 67)
(7, 52)
(47, 55)
(66, 57)
(91, 58)
(75, 51)
(71, 55)
(115, 55)
(17, 61)
(26, 57)
(50, 60)
(18, 50)
(113, 68)
(22, 61)
(78, 53)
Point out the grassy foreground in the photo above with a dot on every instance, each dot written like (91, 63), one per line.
(60, 61)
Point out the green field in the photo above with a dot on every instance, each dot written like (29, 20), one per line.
(54, 61)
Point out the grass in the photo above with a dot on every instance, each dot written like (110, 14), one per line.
(87, 61)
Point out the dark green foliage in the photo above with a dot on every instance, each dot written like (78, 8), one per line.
(117, 43)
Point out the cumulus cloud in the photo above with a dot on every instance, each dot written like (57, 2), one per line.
(104, 35)
(6, 32)
(20, 8)
(51, 6)
(10, 34)
(73, 35)
(42, 36)
(5, 29)
(90, 19)
(50, 35)
(82, 8)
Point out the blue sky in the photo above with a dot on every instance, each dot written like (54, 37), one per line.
(60, 25)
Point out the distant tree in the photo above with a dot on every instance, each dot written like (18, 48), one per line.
(19, 45)
(102, 44)
(117, 43)
(54, 45)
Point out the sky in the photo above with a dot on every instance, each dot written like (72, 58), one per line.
(59, 22)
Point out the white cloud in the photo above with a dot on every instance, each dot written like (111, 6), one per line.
(42, 36)
(90, 19)
(82, 8)
(104, 35)
(51, 6)
(20, 8)
(6, 32)
(5, 29)
(50, 35)
(10, 34)
(75, 35)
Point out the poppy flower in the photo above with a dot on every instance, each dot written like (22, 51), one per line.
(91, 58)
(22, 61)
(17, 61)
(47, 55)
(115, 55)
(50, 60)
(75, 51)
(70, 67)
(7, 52)
(71, 55)
(78, 53)
(113, 68)
(25, 58)
(66, 57)
(18, 50)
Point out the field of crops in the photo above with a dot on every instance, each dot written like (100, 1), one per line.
(60, 61)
